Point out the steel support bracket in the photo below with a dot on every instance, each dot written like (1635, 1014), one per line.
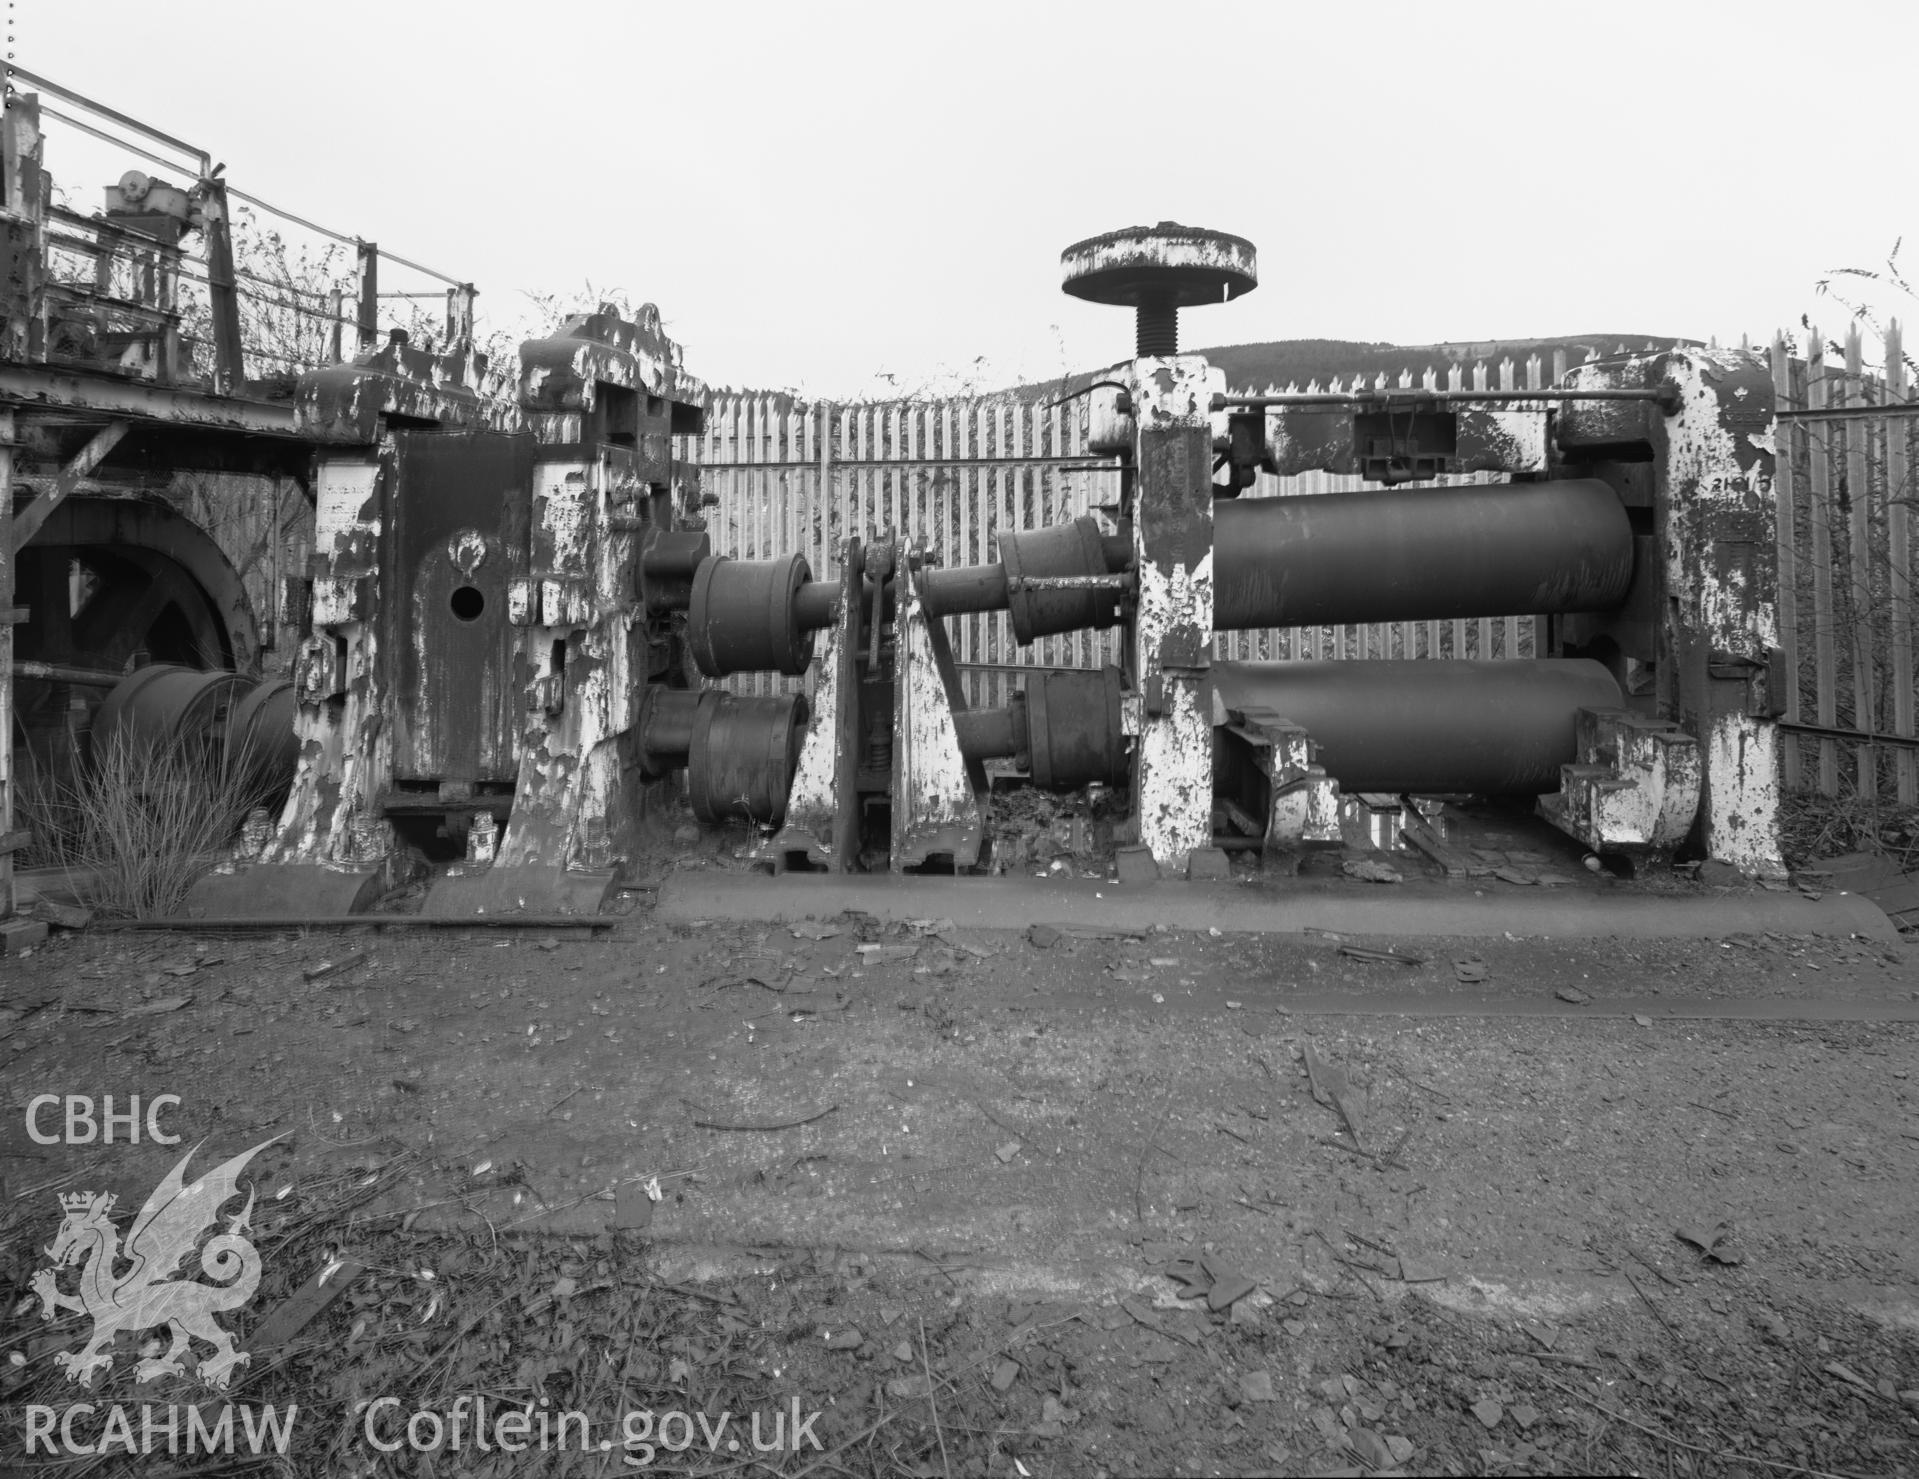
(936, 807)
(1634, 789)
(1303, 806)
(821, 805)
(27, 522)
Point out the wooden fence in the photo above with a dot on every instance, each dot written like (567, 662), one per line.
(1846, 549)
(790, 475)
(952, 475)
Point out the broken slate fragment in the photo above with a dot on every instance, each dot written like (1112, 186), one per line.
(1043, 936)
(1370, 872)
(1229, 1287)
(1711, 1242)
(1004, 1375)
(1488, 1412)
(1257, 1386)
(632, 1207)
(847, 1338)
(1007, 1151)
(1573, 995)
(813, 929)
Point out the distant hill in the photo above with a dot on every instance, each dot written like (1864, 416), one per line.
(1253, 367)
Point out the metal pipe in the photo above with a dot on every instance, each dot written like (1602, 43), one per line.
(989, 734)
(1420, 554)
(964, 589)
(816, 604)
(101, 110)
(61, 673)
(1425, 725)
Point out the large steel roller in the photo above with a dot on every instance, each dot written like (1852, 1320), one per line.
(1420, 554)
(1425, 725)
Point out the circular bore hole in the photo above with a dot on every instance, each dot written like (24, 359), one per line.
(467, 603)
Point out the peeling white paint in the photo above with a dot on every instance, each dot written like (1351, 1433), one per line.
(812, 802)
(1173, 766)
(934, 808)
(1635, 786)
(1742, 795)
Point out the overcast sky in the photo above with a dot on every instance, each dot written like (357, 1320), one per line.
(819, 195)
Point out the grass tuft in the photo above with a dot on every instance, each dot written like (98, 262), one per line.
(136, 827)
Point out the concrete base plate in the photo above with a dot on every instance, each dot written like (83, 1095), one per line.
(469, 888)
(1411, 909)
(277, 890)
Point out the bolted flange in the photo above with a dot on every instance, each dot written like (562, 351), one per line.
(1158, 270)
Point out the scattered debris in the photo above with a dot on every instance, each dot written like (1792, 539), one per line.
(633, 1207)
(61, 916)
(790, 1124)
(1397, 957)
(1331, 1088)
(1368, 871)
(813, 929)
(334, 967)
(1711, 1243)
(1573, 995)
(1470, 972)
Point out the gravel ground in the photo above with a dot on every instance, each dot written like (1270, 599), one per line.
(1457, 1192)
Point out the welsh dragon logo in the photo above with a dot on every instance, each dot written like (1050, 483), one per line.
(145, 1294)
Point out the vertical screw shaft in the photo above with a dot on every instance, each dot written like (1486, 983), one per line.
(1156, 326)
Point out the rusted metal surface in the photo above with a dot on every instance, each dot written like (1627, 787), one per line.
(452, 530)
(1429, 725)
(1403, 439)
(742, 755)
(351, 403)
(1057, 579)
(1421, 554)
(564, 375)
(821, 806)
(1713, 460)
(1171, 708)
(483, 629)
(1633, 789)
(71, 390)
(1158, 270)
(341, 680)
(161, 585)
(744, 616)
(1075, 734)
(27, 522)
(936, 806)
(1302, 801)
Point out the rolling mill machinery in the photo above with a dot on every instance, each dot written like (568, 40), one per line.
(1636, 518)
(509, 625)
